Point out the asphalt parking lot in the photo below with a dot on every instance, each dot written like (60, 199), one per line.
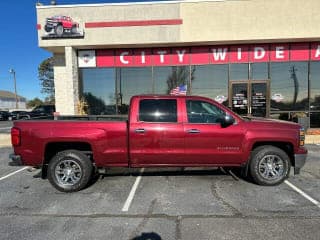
(160, 204)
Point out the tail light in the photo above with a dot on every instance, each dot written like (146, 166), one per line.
(301, 137)
(15, 136)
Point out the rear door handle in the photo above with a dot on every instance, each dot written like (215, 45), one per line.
(193, 131)
(140, 130)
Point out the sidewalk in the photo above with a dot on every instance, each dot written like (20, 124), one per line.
(312, 137)
(5, 140)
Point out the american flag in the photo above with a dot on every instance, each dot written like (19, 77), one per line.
(180, 90)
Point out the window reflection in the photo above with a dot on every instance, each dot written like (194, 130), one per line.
(315, 94)
(108, 90)
(239, 71)
(315, 86)
(289, 86)
(259, 71)
(130, 82)
(98, 90)
(211, 81)
(168, 78)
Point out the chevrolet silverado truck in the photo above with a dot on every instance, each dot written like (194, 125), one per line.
(160, 131)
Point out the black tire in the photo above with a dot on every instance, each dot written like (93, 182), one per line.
(47, 29)
(269, 165)
(70, 171)
(74, 30)
(59, 30)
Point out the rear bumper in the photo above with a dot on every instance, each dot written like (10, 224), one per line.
(299, 162)
(15, 160)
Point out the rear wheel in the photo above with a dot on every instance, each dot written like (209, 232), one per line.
(269, 165)
(59, 30)
(70, 171)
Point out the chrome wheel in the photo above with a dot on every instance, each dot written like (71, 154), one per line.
(271, 167)
(68, 172)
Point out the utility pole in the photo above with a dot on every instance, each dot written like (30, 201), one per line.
(293, 71)
(15, 86)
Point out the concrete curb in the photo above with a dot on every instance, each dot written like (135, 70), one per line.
(312, 139)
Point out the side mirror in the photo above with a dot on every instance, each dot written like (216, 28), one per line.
(226, 121)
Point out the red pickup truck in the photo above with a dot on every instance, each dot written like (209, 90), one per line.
(166, 131)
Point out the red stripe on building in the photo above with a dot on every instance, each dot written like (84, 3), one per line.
(38, 26)
(133, 23)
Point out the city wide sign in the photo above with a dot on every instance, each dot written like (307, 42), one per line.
(139, 57)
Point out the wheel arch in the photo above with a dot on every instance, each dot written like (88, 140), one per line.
(52, 148)
(287, 147)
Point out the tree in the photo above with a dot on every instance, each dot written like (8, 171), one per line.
(45, 74)
(96, 105)
(179, 76)
(34, 103)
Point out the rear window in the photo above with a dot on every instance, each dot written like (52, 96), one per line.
(158, 110)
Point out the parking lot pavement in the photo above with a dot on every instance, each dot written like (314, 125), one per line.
(167, 204)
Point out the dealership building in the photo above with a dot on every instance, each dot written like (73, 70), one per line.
(260, 58)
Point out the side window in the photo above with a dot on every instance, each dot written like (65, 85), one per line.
(38, 109)
(203, 112)
(158, 110)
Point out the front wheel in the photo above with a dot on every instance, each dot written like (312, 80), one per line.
(70, 171)
(74, 29)
(269, 165)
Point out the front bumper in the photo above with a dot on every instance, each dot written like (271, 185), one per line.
(15, 160)
(299, 162)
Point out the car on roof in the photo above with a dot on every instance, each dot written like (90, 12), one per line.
(61, 24)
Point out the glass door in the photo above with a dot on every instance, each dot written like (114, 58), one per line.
(239, 98)
(250, 98)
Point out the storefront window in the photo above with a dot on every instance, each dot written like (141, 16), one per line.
(98, 90)
(130, 82)
(259, 71)
(211, 81)
(315, 94)
(289, 86)
(239, 71)
(168, 78)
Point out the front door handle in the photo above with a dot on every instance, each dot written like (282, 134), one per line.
(140, 130)
(193, 131)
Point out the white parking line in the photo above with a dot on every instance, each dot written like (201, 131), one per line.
(13, 173)
(132, 192)
(302, 193)
(4, 128)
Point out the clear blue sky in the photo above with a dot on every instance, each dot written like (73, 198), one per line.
(19, 45)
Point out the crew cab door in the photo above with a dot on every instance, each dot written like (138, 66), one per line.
(156, 136)
(207, 142)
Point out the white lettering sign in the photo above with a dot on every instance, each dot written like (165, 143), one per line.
(143, 57)
(280, 52)
(239, 55)
(219, 54)
(162, 53)
(122, 59)
(180, 55)
(259, 53)
(318, 51)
